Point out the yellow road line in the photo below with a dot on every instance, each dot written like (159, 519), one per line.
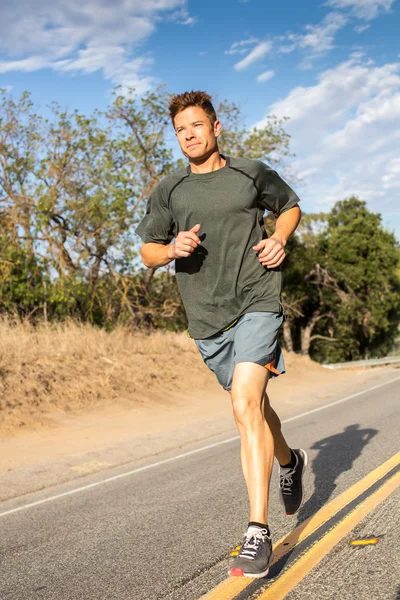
(367, 542)
(232, 586)
(286, 582)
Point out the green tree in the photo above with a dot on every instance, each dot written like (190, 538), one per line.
(21, 275)
(342, 287)
(365, 259)
(74, 188)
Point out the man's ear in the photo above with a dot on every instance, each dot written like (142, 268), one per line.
(217, 128)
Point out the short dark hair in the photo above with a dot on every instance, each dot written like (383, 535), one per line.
(187, 99)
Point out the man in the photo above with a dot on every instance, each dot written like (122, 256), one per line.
(229, 278)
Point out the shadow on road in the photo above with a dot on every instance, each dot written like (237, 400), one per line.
(336, 455)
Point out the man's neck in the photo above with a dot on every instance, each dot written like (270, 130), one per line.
(211, 163)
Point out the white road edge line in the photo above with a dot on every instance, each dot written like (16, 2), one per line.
(191, 452)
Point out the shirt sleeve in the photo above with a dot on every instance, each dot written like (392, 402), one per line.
(157, 225)
(275, 194)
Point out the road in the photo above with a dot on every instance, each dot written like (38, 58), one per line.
(164, 528)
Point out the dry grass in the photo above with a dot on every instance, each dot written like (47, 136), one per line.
(71, 366)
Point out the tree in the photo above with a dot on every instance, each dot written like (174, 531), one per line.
(342, 285)
(21, 275)
(269, 143)
(74, 188)
(365, 259)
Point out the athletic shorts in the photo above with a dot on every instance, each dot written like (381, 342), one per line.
(253, 338)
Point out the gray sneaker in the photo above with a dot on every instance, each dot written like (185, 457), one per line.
(291, 483)
(254, 555)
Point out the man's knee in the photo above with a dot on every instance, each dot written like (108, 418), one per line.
(248, 388)
(246, 406)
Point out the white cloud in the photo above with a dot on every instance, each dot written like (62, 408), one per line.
(188, 21)
(363, 9)
(33, 63)
(241, 47)
(183, 18)
(361, 28)
(317, 39)
(346, 136)
(255, 55)
(116, 64)
(392, 176)
(265, 76)
(84, 36)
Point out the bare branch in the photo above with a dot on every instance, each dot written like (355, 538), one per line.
(323, 337)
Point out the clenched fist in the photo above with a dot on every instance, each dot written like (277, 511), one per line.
(272, 252)
(185, 243)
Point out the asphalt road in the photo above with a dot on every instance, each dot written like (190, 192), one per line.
(160, 529)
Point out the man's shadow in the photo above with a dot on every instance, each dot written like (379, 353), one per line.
(193, 263)
(336, 455)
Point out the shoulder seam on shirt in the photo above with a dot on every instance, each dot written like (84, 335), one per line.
(175, 186)
(246, 175)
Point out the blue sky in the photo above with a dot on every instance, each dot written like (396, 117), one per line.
(333, 67)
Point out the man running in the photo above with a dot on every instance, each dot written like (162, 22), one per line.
(229, 276)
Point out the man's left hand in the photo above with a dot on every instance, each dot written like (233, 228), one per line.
(272, 252)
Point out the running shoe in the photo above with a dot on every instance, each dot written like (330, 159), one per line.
(292, 484)
(254, 555)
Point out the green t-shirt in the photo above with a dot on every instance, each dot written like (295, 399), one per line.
(223, 278)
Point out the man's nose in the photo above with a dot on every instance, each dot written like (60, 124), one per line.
(189, 134)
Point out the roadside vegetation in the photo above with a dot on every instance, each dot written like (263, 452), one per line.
(56, 368)
(73, 188)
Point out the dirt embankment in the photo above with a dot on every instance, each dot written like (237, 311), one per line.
(70, 367)
(50, 371)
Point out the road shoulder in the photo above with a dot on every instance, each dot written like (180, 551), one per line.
(83, 444)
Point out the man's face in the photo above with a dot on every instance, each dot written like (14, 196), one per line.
(196, 135)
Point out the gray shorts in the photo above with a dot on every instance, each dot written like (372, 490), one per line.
(253, 338)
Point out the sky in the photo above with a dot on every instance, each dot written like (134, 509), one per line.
(332, 67)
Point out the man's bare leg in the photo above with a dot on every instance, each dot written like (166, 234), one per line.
(292, 462)
(257, 443)
(282, 451)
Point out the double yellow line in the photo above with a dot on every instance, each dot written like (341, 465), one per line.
(277, 590)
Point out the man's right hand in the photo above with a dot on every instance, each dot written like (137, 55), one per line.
(185, 243)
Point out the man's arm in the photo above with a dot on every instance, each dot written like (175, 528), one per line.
(286, 224)
(272, 249)
(158, 255)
